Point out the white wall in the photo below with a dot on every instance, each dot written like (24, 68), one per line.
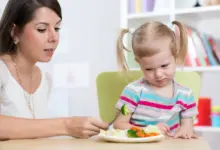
(89, 33)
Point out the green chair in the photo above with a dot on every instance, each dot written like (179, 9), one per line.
(110, 85)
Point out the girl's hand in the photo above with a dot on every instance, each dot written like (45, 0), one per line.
(164, 128)
(185, 133)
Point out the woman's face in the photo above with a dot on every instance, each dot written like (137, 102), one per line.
(39, 37)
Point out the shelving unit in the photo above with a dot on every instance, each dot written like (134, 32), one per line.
(189, 16)
(200, 13)
(196, 14)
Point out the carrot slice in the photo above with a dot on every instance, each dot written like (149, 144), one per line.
(153, 134)
(135, 128)
(140, 134)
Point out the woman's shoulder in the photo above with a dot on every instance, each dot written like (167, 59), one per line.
(4, 73)
(3, 60)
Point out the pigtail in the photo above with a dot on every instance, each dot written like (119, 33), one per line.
(120, 53)
(182, 42)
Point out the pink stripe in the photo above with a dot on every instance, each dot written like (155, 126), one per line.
(179, 85)
(174, 126)
(191, 105)
(185, 105)
(142, 82)
(137, 124)
(151, 104)
(128, 100)
(181, 103)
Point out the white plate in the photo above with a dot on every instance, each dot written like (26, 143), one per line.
(131, 140)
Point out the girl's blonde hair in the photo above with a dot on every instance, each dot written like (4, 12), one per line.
(151, 31)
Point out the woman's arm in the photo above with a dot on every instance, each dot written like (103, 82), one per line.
(19, 128)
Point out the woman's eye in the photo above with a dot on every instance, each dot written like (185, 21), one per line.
(41, 30)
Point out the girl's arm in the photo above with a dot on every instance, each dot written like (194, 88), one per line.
(186, 123)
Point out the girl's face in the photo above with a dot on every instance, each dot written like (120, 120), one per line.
(39, 37)
(159, 69)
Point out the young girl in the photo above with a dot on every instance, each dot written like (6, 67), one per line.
(156, 99)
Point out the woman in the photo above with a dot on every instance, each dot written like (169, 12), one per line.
(29, 33)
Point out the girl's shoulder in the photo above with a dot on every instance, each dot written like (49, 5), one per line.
(184, 90)
(136, 85)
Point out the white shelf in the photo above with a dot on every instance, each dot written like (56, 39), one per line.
(148, 15)
(137, 19)
(200, 69)
(208, 11)
(196, 69)
(206, 129)
(185, 15)
(198, 10)
(198, 13)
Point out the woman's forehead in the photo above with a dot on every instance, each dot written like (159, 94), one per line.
(45, 15)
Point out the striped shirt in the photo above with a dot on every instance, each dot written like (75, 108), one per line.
(149, 108)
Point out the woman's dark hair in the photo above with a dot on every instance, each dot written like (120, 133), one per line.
(19, 13)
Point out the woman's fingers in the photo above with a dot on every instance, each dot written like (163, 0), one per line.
(89, 133)
(99, 124)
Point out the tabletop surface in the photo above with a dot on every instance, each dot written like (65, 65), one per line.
(88, 144)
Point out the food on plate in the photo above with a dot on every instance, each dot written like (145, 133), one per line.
(149, 131)
(114, 132)
(133, 132)
(124, 110)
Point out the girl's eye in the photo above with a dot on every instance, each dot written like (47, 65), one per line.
(148, 69)
(163, 66)
(57, 29)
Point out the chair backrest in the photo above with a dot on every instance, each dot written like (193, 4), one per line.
(110, 85)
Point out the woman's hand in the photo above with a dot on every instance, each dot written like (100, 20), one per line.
(84, 127)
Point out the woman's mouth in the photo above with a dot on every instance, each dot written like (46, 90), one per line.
(49, 52)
